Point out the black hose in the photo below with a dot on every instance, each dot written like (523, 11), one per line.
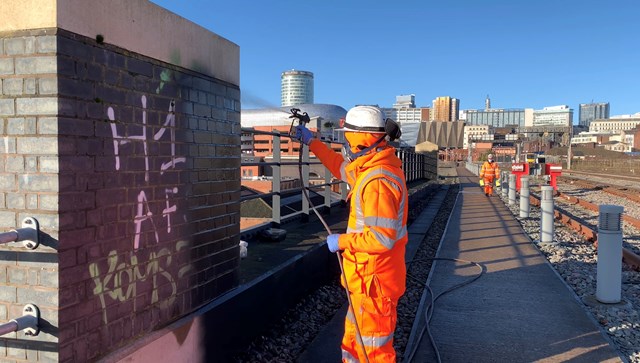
(430, 307)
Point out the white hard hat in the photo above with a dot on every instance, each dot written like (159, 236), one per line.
(364, 119)
(490, 156)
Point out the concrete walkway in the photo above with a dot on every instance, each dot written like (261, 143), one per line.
(519, 310)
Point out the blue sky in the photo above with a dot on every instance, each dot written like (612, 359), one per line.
(523, 54)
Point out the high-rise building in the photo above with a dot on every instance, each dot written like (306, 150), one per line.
(553, 116)
(593, 111)
(297, 88)
(405, 101)
(445, 109)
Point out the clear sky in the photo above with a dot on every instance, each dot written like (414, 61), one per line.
(522, 53)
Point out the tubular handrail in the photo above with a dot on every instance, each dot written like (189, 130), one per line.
(297, 189)
(28, 234)
(414, 165)
(29, 322)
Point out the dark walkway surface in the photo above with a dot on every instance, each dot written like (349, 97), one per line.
(520, 310)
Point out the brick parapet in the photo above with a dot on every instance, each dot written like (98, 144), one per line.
(132, 167)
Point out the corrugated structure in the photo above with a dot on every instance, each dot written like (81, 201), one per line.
(442, 134)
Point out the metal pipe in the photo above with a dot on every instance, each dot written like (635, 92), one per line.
(8, 237)
(512, 189)
(504, 184)
(27, 322)
(29, 234)
(546, 214)
(609, 269)
(524, 197)
(275, 183)
(9, 327)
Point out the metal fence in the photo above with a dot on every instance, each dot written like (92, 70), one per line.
(415, 166)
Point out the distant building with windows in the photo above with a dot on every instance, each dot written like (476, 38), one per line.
(622, 123)
(404, 110)
(405, 101)
(590, 112)
(561, 116)
(476, 132)
(497, 117)
(445, 109)
(296, 88)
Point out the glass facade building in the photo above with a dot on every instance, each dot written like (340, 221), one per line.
(592, 111)
(496, 117)
(297, 88)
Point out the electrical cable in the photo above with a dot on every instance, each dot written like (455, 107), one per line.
(344, 276)
(430, 307)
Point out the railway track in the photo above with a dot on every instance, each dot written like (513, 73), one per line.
(632, 193)
(574, 257)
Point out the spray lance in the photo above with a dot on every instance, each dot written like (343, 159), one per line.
(303, 119)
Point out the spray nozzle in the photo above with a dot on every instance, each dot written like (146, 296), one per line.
(302, 118)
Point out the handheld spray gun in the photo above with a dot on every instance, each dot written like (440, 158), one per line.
(303, 119)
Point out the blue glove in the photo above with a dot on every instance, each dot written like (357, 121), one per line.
(332, 242)
(303, 134)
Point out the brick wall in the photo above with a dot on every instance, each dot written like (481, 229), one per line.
(132, 167)
(29, 188)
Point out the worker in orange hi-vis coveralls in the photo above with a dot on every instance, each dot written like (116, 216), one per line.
(373, 246)
(488, 174)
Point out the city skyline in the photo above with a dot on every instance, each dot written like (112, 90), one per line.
(523, 54)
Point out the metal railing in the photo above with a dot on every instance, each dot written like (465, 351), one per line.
(28, 234)
(29, 322)
(414, 165)
(276, 179)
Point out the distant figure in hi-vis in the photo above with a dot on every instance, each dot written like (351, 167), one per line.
(488, 174)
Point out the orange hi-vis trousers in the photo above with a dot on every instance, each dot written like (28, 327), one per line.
(376, 317)
(488, 185)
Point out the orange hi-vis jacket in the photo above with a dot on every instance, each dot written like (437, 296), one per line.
(489, 171)
(374, 245)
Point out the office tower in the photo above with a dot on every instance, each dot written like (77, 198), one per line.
(553, 116)
(593, 111)
(405, 101)
(487, 103)
(445, 109)
(297, 88)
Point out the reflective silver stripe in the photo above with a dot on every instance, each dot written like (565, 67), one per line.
(347, 357)
(386, 240)
(383, 239)
(377, 342)
(350, 316)
(359, 227)
(396, 224)
(343, 172)
(383, 222)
